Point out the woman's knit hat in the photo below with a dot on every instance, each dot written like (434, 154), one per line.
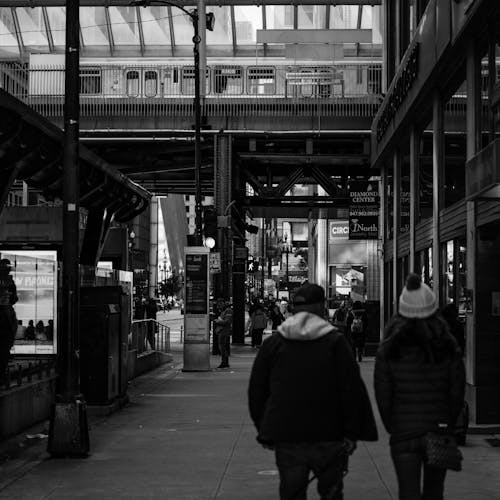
(417, 300)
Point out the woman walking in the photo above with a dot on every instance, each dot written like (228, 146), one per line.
(419, 384)
(258, 321)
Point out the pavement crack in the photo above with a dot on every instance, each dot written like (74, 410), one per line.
(228, 461)
(378, 471)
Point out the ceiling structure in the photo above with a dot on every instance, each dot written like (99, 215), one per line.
(122, 30)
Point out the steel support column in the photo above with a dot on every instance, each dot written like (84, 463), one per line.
(223, 196)
(414, 192)
(396, 283)
(68, 434)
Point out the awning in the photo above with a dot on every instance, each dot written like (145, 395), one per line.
(31, 149)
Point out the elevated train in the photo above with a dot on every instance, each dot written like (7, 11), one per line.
(225, 77)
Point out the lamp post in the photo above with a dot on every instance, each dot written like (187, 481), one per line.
(210, 19)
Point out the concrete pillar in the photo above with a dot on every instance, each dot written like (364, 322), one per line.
(414, 191)
(153, 246)
(473, 75)
(202, 47)
(223, 197)
(396, 176)
(382, 239)
(437, 187)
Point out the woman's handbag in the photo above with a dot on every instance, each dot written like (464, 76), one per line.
(442, 451)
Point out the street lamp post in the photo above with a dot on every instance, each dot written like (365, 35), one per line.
(194, 15)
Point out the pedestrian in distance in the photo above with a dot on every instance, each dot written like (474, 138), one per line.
(275, 316)
(224, 329)
(8, 319)
(358, 327)
(151, 309)
(308, 401)
(257, 324)
(218, 307)
(419, 384)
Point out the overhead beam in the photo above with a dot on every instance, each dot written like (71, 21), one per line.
(126, 3)
(327, 160)
(315, 36)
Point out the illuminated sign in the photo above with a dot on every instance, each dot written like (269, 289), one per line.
(338, 230)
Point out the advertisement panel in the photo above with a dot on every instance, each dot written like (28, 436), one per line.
(364, 203)
(35, 275)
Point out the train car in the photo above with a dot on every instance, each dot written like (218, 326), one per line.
(225, 77)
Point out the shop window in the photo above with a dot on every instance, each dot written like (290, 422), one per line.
(90, 81)
(448, 264)
(461, 276)
(35, 276)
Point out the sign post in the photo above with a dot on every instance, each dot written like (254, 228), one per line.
(196, 309)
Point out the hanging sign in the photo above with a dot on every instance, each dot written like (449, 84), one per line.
(364, 203)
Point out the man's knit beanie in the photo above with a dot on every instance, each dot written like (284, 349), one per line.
(417, 300)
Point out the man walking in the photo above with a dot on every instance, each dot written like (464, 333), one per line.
(8, 320)
(308, 401)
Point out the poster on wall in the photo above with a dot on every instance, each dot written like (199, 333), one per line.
(35, 275)
(364, 203)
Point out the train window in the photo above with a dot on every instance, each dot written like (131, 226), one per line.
(187, 80)
(170, 81)
(261, 80)
(133, 83)
(150, 83)
(90, 81)
(374, 80)
(228, 80)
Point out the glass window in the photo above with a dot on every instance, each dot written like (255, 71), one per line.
(32, 26)
(183, 27)
(228, 80)
(344, 17)
(150, 83)
(90, 81)
(57, 22)
(124, 25)
(94, 26)
(279, 17)
(222, 33)
(311, 16)
(449, 272)
(8, 40)
(155, 25)
(133, 83)
(35, 276)
(261, 80)
(248, 19)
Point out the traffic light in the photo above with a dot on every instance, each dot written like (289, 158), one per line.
(210, 227)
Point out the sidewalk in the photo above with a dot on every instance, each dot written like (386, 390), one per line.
(188, 436)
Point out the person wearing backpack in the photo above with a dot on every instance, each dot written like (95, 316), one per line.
(308, 401)
(258, 322)
(358, 330)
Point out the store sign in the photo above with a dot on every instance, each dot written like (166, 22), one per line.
(364, 203)
(215, 265)
(338, 230)
(398, 92)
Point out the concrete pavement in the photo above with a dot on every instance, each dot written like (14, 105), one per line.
(188, 436)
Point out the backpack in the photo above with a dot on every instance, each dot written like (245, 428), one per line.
(259, 320)
(357, 325)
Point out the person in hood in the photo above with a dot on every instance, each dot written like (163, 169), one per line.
(307, 399)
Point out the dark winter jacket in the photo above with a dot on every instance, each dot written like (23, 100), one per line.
(224, 323)
(419, 377)
(305, 386)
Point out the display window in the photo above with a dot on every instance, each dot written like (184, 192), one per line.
(35, 275)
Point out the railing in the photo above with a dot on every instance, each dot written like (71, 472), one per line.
(150, 335)
(22, 373)
(231, 90)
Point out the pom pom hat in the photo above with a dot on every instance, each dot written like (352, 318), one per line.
(417, 300)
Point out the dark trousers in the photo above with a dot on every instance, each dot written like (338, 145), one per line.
(408, 459)
(295, 461)
(151, 334)
(359, 347)
(224, 349)
(257, 336)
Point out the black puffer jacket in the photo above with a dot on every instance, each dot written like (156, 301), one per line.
(305, 386)
(419, 377)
